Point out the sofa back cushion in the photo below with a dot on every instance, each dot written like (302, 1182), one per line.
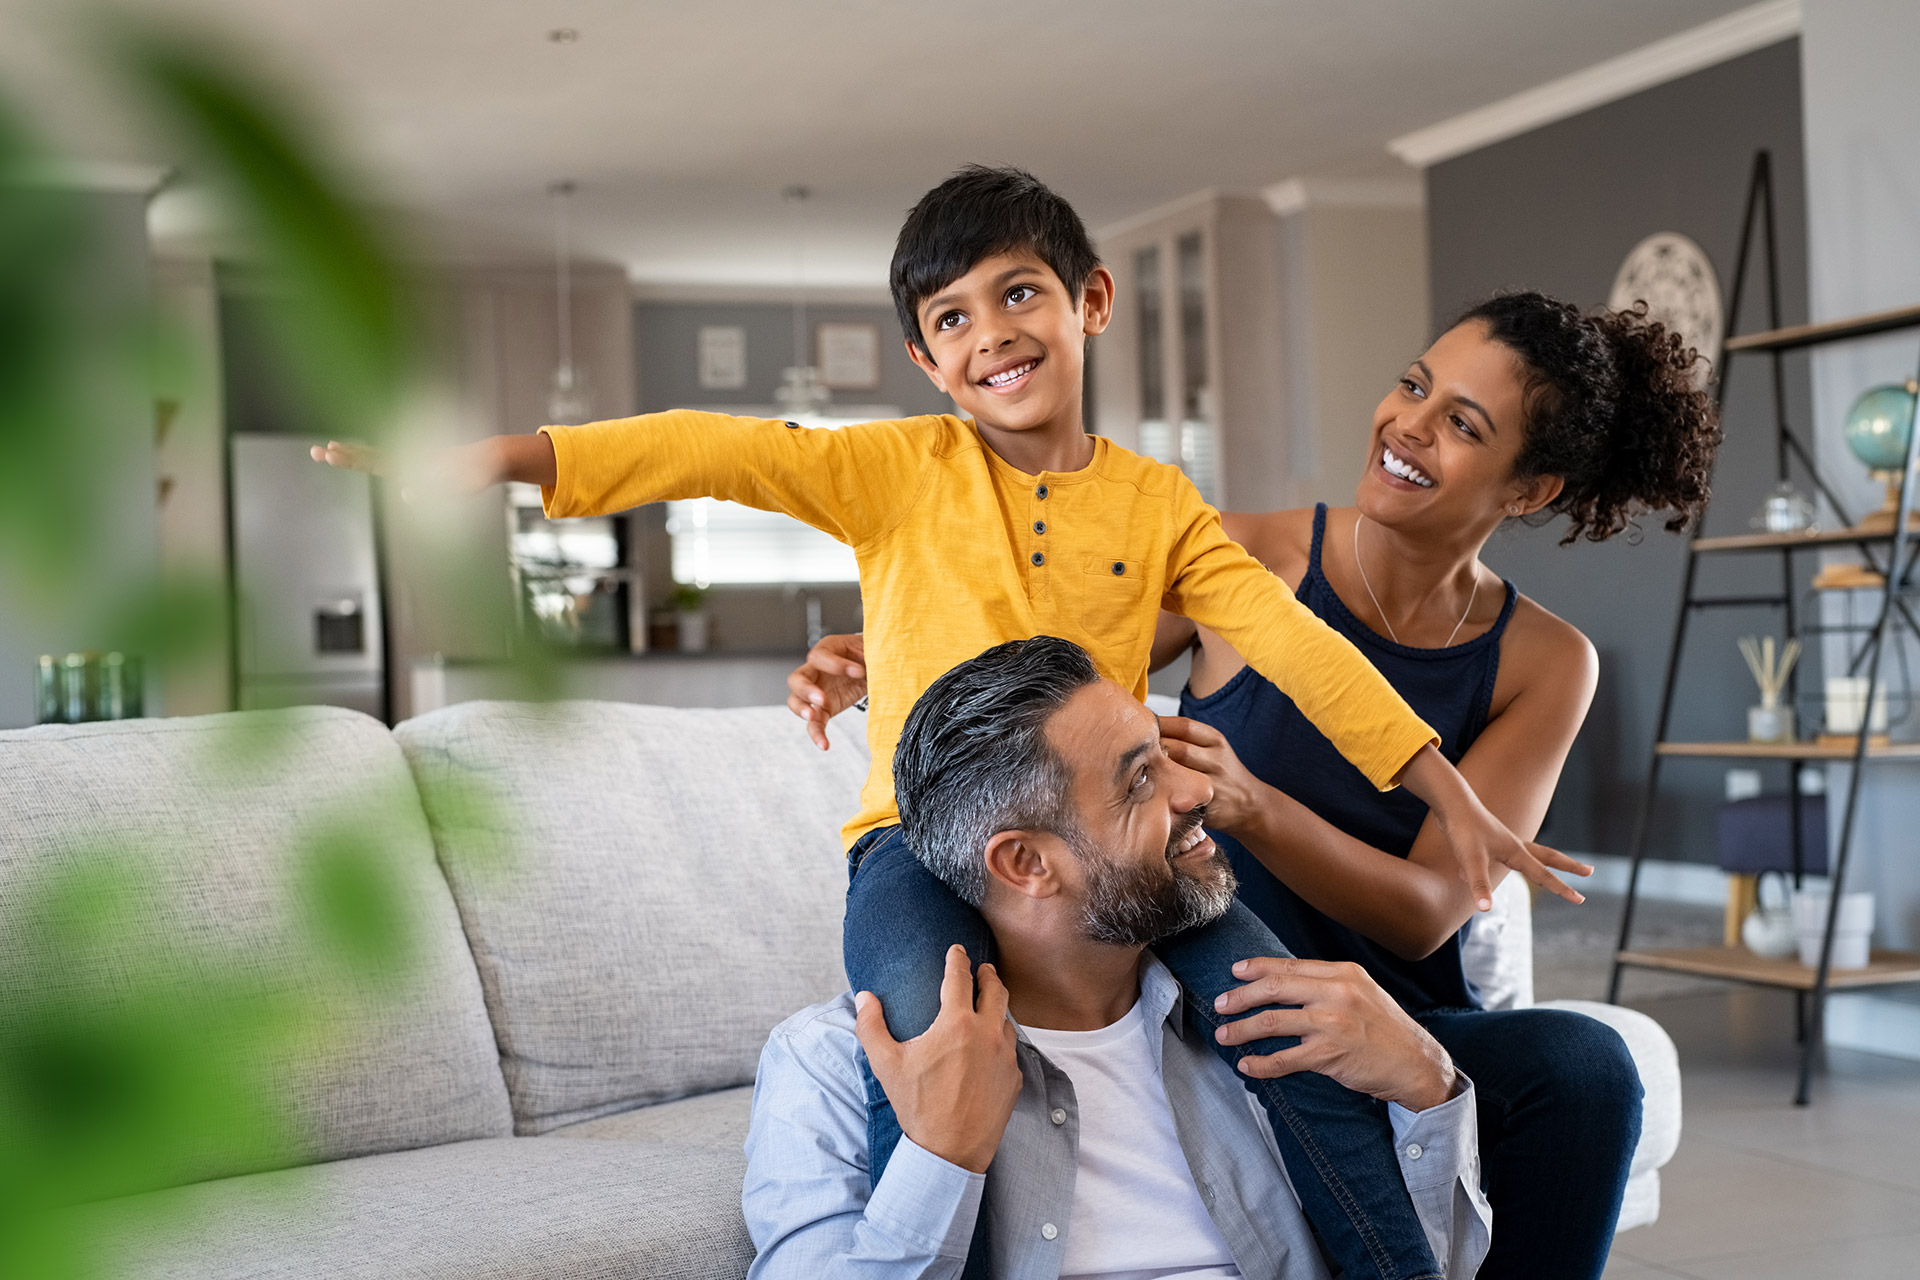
(648, 891)
(220, 827)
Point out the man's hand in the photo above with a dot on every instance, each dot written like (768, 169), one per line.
(1478, 838)
(833, 678)
(1204, 749)
(954, 1087)
(1349, 1029)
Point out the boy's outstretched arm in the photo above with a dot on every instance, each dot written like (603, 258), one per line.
(463, 469)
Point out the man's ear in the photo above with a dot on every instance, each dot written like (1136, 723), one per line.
(1096, 301)
(928, 367)
(1024, 861)
(1537, 493)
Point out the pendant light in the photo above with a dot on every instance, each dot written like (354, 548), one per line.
(801, 395)
(568, 399)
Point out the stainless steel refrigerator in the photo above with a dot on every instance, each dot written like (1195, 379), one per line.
(307, 612)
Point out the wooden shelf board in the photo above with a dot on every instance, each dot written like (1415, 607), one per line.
(1737, 964)
(1774, 541)
(1786, 750)
(1810, 335)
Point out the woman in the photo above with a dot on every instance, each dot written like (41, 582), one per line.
(1523, 407)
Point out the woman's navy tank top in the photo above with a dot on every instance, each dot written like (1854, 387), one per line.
(1451, 689)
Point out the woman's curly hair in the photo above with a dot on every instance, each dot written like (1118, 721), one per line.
(1612, 407)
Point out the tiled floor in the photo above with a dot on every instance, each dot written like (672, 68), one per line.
(1761, 1189)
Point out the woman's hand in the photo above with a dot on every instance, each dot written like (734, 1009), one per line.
(1237, 794)
(833, 678)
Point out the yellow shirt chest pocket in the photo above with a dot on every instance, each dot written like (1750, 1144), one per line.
(1114, 607)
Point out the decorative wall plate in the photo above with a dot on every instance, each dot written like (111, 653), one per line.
(1673, 276)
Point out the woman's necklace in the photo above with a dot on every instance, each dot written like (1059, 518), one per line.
(1362, 566)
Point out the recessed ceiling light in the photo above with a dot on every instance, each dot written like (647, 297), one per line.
(563, 35)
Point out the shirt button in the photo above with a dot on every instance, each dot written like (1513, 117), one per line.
(1041, 493)
(1039, 526)
(1119, 568)
(1049, 1231)
(1059, 1115)
(1415, 1151)
(1038, 558)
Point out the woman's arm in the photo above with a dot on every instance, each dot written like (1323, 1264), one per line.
(1173, 635)
(1410, 905)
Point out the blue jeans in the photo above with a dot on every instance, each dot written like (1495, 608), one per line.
(1559, 1111)
(1337, 1144)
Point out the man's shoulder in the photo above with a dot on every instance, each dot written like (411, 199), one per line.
(828, 1020)
(812, 1057)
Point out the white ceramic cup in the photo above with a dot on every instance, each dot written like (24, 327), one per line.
(1847, 700)
(1850, 932)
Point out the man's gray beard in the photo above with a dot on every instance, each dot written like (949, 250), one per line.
(1136, 906)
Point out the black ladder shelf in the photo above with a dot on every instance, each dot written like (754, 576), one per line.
(1891, 552)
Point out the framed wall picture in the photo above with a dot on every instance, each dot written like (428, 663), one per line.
(723, 357)
(848, 355)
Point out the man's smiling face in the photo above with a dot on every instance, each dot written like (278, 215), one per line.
(1148, 869)
(1007, 341)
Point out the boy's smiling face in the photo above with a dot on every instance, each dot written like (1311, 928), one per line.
(1008, 342)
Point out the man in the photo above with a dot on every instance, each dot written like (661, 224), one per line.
(1120, 1145)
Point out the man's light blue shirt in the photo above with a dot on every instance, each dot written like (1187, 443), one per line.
(812, 1211)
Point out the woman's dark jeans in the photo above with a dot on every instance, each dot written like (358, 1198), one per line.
(1337, 1144)
(1559, 1110)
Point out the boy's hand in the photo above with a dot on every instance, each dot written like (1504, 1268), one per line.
(1348, 1028)
(1478, 838)
(456, 472)
(832, 679)
(954, 1087)
(1204, 749)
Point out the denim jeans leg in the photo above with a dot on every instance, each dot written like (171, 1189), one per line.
(1337, 1144)
(901, 918)
(1559, 1109)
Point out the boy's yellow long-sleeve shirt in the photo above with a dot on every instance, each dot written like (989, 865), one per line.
(959, 551)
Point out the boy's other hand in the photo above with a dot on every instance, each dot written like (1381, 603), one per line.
(833, 678)
(1204, 749)
(1479, 839)
(352, 457)
(455, 472)
(954, 1087)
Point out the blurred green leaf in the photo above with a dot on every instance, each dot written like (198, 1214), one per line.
(342, 315)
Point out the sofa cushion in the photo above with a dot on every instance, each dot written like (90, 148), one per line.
(213, 821)
(656, 888)
(718, 1119)
(497, 1209)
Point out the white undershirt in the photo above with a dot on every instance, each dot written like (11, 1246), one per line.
(1136, 1212)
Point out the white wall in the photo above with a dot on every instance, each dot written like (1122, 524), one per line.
(1862, 113)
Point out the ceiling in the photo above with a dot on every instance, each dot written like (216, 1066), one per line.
(682, 122)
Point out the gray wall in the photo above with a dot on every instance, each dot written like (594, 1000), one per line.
(1864, 231)
(666, 339)
(1557, 209)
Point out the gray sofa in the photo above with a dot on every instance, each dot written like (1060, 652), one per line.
(562, 1085)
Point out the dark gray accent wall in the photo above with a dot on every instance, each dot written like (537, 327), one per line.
(666, 338)
(1557, 209)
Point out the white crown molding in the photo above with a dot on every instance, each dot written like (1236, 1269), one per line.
(817, 295)
(1159, 213)
(95, 175)
(1295, 194)
(1714, 42)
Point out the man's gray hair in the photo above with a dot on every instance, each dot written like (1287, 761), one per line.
(974, 760)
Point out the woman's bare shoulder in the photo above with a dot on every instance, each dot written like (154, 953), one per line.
(1541, 647)
(1280, 540)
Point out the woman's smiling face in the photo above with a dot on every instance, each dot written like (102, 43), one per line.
(1446, 438)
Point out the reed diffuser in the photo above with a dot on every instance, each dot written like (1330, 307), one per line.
(1770, 721)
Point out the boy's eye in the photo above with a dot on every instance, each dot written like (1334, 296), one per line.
(949, 320)
(1020, 293)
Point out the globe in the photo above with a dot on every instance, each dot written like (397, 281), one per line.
(1877, 426)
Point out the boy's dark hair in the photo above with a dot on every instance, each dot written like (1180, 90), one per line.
(974, 758)
(978, 212)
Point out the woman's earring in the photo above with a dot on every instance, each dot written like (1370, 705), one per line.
(1513, 508)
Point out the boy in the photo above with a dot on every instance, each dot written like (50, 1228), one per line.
(1017, 523)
